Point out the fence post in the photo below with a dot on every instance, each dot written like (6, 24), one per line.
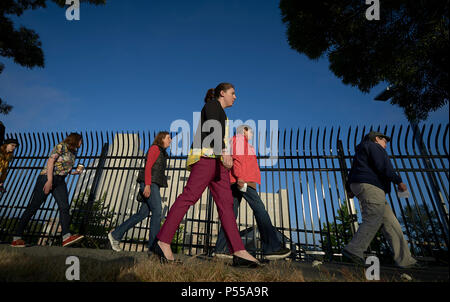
(98, 173)
(344, 174)
(443, 212)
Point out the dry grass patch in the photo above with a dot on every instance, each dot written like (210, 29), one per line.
(194, 270)
(15, 266)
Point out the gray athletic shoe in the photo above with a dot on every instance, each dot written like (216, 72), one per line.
(417, 264)
(353, 258)
(114, 243)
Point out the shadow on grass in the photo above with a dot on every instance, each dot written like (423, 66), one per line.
(16, 267)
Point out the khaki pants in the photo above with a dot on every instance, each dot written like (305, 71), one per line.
(377, 213)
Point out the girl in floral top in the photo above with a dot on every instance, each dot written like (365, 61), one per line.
(52, 180)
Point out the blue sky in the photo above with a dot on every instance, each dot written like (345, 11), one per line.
(139, 65)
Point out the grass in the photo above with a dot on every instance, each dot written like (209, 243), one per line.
(16, 267)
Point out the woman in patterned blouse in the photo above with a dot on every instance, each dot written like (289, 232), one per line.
(52, 180)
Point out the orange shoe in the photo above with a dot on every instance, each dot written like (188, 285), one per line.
(72, 239)
(18, 243)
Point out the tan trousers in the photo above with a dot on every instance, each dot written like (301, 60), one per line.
(377, 213)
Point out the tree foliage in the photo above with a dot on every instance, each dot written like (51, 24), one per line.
(408, 48)
(4, 107)
(23, 44)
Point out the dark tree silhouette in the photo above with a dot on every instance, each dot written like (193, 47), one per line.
(408, 48)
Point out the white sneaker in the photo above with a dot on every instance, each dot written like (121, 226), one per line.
(114, 243)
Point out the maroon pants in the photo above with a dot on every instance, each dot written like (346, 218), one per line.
(207, 172)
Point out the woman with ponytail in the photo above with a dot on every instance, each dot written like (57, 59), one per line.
(209, 164)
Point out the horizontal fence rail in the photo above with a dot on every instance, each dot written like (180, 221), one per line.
(302, 188)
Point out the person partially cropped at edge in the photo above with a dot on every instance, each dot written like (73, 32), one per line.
(150, 182)
(209, 165)
(52, 180)
(370, 180)
(245, 170)
(6, 156)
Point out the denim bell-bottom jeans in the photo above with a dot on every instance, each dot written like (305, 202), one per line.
(59, 192)
(151, 204)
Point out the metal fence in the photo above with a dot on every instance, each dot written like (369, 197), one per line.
(303, 191)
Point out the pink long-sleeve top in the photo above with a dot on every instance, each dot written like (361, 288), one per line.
(245, 163)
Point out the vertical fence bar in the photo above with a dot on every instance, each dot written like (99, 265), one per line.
(425, 206)
(332, 157)
(301, 191)
(344, 174)
(442, 209)
(416, 230)
(94, 189)
(409, 228)
(328, 248)
(292, 245)
(334, 225)
(433, 163)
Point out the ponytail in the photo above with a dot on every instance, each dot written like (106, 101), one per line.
(209, 95)
(215, 93)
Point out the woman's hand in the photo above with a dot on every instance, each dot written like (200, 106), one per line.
(228, 161)
(147, 191)
(76, 172)
(48, 187)
(240, 183)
